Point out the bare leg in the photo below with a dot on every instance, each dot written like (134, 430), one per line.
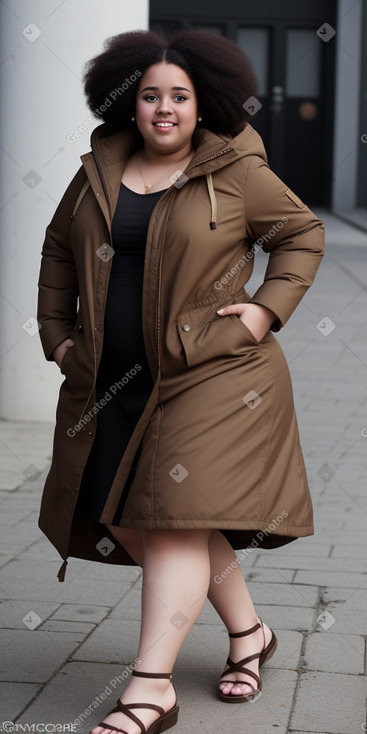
(232, 601)
(173, 597)
(230, 598)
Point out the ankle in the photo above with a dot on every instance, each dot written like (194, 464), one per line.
(155, 686)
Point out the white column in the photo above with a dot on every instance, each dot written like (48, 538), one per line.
(347, 100)
(45, 44)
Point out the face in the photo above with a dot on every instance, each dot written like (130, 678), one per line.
(166, 108)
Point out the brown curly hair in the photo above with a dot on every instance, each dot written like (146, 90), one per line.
(221, 73)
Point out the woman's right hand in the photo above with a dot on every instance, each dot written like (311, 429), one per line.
(60, 351)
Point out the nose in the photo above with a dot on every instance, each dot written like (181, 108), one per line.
(165, 106)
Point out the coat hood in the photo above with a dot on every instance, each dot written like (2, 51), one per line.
(212, 151)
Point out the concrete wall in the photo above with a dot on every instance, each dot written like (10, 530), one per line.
(347, 138)
(45, 44)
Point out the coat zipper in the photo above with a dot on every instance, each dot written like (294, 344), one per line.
(159, 295)
(212, 158)
(205, 160)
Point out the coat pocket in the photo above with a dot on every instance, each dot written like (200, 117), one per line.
(222, 336)
(65, 361)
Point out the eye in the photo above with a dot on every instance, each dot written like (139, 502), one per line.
(150, 98)
(179, 98)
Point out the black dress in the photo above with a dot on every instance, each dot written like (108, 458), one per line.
(123, 379)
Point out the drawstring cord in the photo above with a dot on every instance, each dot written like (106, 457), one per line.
(213, 201)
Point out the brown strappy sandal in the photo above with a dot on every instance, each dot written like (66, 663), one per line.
(266, 653)
(165, 720)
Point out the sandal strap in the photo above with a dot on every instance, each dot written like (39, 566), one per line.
(114, 728)
(237, 667)
(246, 632)
(240, 668)
(125, 709)
(152, 706)
(151, 675)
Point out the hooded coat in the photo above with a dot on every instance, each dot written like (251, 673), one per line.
(217, 445)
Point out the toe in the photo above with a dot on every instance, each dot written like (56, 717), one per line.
(241, 690)
(226, 688)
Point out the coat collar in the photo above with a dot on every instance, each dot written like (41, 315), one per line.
(212, 151)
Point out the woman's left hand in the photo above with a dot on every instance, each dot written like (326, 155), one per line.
(258, 319)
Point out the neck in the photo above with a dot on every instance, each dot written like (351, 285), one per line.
(169, 158)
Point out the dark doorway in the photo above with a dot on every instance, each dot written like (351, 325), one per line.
(293, 51)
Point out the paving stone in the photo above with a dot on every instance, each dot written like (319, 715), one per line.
(25, 532)
(289, 618)
(288, 594)
(352, 599)
(4, 559)
(269, 574)
(111, 642)
(34, 655)
(347, 621)
(130, 606)
(80, 613)
(348, 551)
(313, 562)
(20, 577)
(67, 701)
(12, 612)
(334, 700)
(11, 517)
(55, 626)
(15, 499)
(324, 578)
(345, 537)
(14, 697)
(41, 548)
(347, 656)
(304, 548)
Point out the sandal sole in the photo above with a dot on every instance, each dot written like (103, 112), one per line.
(239, 699)
(165, 722)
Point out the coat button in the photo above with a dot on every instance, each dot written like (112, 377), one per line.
(186, 327)
(80, 328)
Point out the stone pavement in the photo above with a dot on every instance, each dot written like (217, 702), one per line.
(66, 648)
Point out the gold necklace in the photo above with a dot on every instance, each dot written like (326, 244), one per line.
(149, 186)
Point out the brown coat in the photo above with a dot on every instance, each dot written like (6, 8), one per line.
(213, 453)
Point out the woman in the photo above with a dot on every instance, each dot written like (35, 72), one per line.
(176, 434)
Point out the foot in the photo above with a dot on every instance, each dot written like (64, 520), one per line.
(157, 691)
(240, 648)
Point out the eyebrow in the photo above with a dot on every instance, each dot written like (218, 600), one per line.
(156, 89)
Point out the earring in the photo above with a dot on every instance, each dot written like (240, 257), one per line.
(200, 119)
(133, 119)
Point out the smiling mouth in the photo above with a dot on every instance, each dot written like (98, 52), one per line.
(164, 124)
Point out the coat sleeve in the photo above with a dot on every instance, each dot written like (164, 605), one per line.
(279, 223)
(58, 284)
